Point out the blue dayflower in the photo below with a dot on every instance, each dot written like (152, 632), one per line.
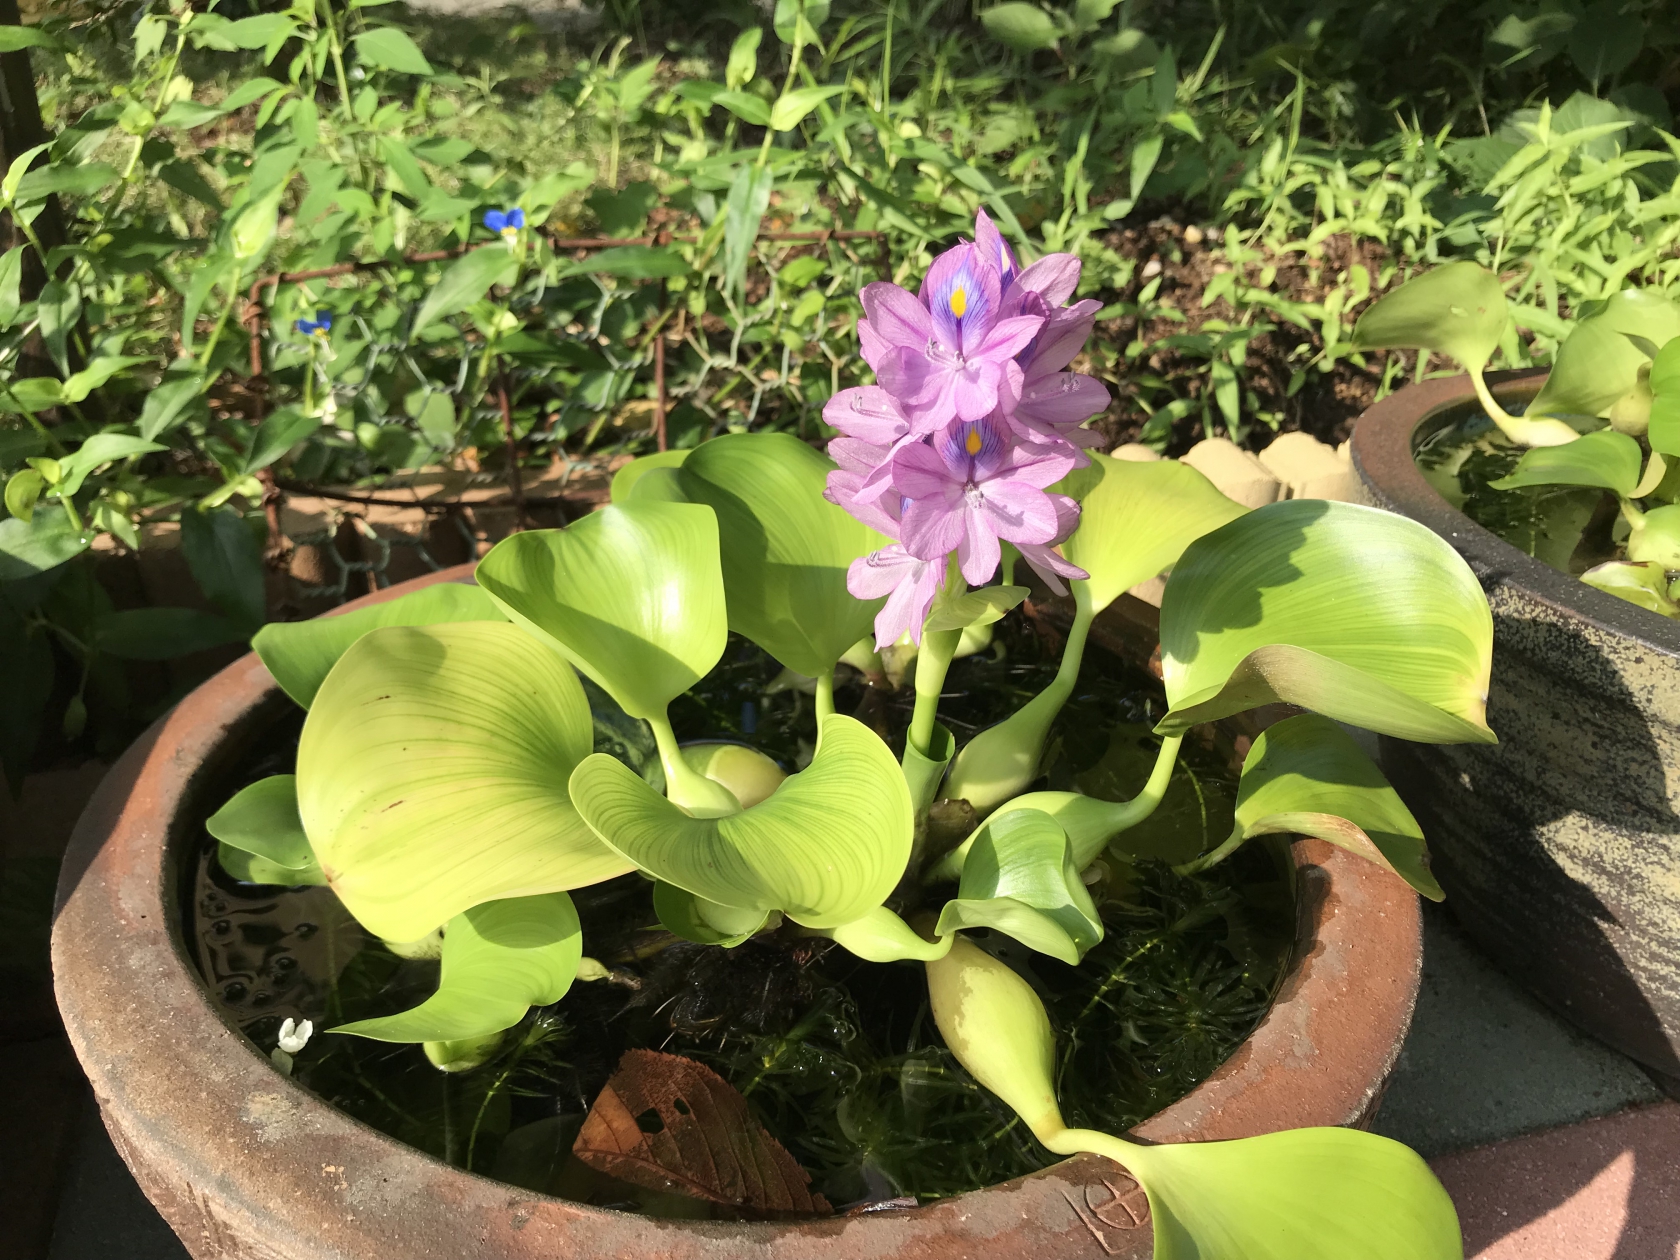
(505, 221)
(320, 326)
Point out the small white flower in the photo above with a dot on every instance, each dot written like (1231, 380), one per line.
(295, 1036)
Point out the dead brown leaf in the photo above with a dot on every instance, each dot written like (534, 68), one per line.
(670, 1124)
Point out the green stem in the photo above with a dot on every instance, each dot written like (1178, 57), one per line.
(1523, 430)
(1214, 856)
(932, 662)
(1632, 514)
(787, 86)
(684, 785)
(825, 694)
(1484, 395)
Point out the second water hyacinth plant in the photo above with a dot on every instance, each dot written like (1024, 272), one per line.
(447, 790)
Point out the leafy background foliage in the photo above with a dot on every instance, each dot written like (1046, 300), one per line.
(1238, 178)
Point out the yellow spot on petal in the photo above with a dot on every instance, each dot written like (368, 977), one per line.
(959, 302)
(973, 442)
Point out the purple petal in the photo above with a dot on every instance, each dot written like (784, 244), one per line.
(961, 292)
(910, 376)
(1061, 339)
(907, 610)
(856, 455)
(994, 249)
(1049, 564)
(1055, 276)
(1067, 515)
(896, 317)
(974, 390)
(979, 553)
(1063, 398)
(1038, 470)
(919, 473)
(880, 572)
(871, 345)
(1007, 338)
(933, 527)
(868, 412)
(1018, 511)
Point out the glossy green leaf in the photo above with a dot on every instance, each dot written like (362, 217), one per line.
(749, 775)
(1664, 383)
(625, 479)
(1644, 583)
(1457, 309)
(1656, 537)
(1359, 614)
(632, 595)
(825, 850)
(792, 107)
(432, 774)
(464, 282)
(23, 489)
(632, 262)
(14, 38)
(745, 106)
(300, 654)
(1600, 360)
(97, 451)
(261, 822)
(277, 434)
(1606, 459)
(499, 960)
(785, 548)
(749, 198)
(1020, 879)
(1136, 519)
(1308, 776)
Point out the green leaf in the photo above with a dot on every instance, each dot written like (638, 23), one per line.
(58, 309)
(1664, 383)
(255, 32)
(390, 49)
(694, 919)
(1024, 27)
(226, 563)
(98, 373)
(1606, 459)
(162, 634)
(11, 274)
(1457, 309)
(1656, 537)
(249, 93)
(277, 434)
(17, 38)
(1643, 583)
(1362, 615)
(785, 549)
(974, 608)
(432, 775)
(43, 542)
(23, 488)
(464, 282)
(625, 479)
(1136, 519)
(745, 106)
(262, 820)
(69, 180)
(791, 14)
(1600, 361)
(98, 450)
(499, 960)
(168, 404)
(749, 198)
(1307, 775)
(300, 654)
(189, 114)
(1089, 14)
(825, 849)
(1019, 878)
(1302, 1194)
(743, 58)
(791, 108)
(632, 262)
(632, 595)
(881, 936)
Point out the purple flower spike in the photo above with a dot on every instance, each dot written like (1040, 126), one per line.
(994, 249)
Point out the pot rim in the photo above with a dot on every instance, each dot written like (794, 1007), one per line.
(1382, 450)
(242, 1161)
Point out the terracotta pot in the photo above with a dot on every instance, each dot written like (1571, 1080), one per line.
(1559, 848)
(244, 1163)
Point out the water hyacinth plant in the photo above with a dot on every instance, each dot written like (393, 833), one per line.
(1607, 417)
(447, 791)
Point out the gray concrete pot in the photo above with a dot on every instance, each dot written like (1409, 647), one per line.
(1559, 848)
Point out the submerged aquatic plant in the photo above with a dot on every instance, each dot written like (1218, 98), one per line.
(446, 789)
(1607, 417)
